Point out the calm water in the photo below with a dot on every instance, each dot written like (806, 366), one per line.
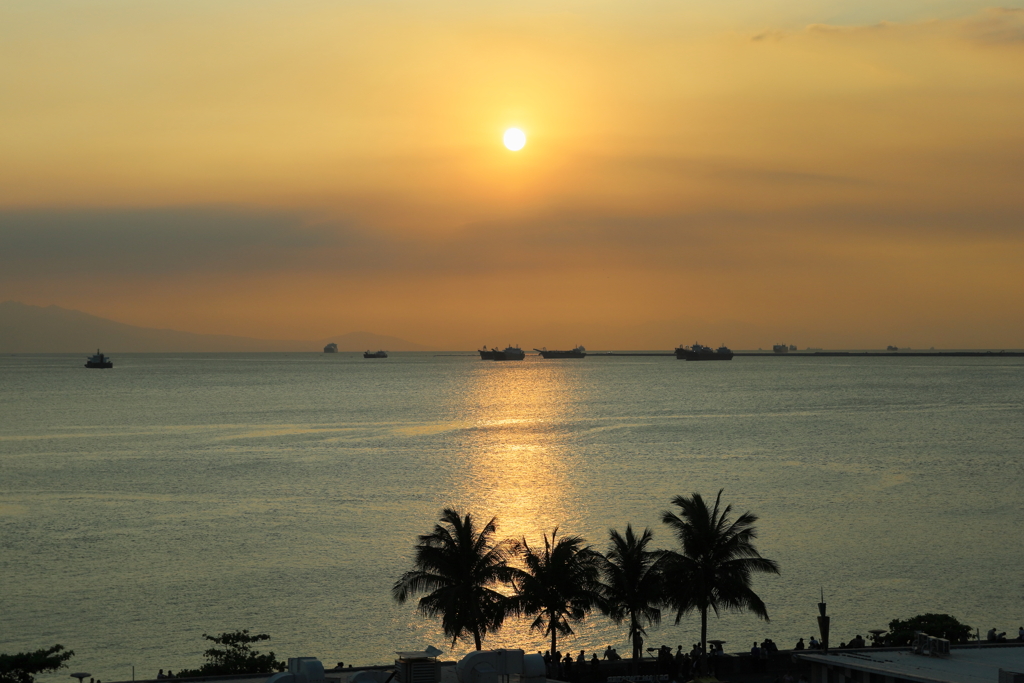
(183, 494)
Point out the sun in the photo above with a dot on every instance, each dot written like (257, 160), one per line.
(515, 139)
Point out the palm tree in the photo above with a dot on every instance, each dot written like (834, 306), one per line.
(559, 585)
(459, 567)
(633, 587)
(714, 570)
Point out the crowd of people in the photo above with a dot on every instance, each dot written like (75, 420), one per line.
(677, 666)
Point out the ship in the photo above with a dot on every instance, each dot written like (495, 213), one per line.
(375, 354)
(781, 348)
(699, 352)
(509, 353)
(331, 348)
(578, 352)
(99, 361)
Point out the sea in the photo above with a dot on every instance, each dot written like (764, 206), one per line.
(178, 495)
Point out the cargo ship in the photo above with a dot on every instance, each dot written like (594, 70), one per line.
(578, 352)
(99, 361)
(699, 352)
(377, 354)
(331, 348)
(510, 353)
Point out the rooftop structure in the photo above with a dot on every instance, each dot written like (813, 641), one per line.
(966, 664)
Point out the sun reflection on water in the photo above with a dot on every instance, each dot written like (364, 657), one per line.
(518, 460)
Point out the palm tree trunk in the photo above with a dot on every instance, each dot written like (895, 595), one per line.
(704, 642)
(554, 640)
(476, 638)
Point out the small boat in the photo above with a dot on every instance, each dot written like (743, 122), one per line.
(578, 352)
(331, 348)
(99, 361)
(376, 354)
(699, 352)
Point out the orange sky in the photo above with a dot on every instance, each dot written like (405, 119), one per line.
(824, 174)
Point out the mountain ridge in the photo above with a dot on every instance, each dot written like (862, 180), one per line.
(25, 328)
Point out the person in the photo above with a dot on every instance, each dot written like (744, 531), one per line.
(814, 643)
(799, 645)
(341, 665)
(1020, 634)
(755, 656)
(160, 674)
(582, 657)
(608, 652)
(567, 666)
(994, 637)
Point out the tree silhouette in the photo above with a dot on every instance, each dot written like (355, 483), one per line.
(458, 568)
(22, 667)
(633, 588)
(714, 570)
(559, 584)
(237, 656)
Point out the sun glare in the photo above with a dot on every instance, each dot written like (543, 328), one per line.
(515, 139)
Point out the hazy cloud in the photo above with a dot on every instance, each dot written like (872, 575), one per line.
(159, 242)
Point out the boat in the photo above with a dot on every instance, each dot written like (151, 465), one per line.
(781, 348)
(375, 354)
(511, 353)
(99, 361)
(488, 354)
(699, 352)
(331, 348)
(578, 352)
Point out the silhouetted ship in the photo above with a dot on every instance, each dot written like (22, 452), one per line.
(578, 352)
(510, 353)
(331, 348)
(375, 354)
(698, 352)
(99, 361)
(783, 348)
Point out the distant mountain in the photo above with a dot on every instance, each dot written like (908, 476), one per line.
(51, 329)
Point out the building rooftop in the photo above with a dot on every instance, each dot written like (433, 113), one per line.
(963, 665)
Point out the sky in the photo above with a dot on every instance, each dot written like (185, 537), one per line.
(824, 174)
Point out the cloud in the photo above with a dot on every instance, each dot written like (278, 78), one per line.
(993, 26)
(221, 241)
(153, 240)
(997, 26)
